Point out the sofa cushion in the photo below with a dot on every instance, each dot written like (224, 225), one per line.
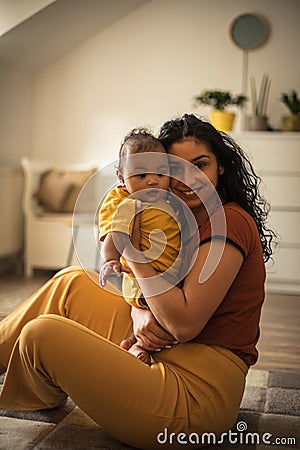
(59, 189)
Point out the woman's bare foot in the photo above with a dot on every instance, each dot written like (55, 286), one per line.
(2, 369)
(140, 353)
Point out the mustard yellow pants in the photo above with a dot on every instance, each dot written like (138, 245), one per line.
(63, 341)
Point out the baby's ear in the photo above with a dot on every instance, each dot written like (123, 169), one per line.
(120, 176)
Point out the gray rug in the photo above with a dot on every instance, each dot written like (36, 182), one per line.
(269, 415)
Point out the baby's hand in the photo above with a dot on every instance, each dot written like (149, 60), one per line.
(113, 267)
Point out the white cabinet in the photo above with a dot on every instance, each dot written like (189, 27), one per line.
(276, 158)
(11, 229)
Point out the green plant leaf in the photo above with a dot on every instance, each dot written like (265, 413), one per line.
(219, 99)
(291, 101)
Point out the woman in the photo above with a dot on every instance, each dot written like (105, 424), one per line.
(64, 340)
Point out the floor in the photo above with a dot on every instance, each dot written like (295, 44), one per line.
(279, 344)
(270, 409)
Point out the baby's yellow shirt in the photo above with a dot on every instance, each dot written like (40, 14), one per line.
(117, 214)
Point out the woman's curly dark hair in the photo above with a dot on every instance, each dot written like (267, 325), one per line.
(239, 183)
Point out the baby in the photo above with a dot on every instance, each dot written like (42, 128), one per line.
(143, 172)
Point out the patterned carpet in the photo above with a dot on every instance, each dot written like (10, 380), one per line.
(269, 415)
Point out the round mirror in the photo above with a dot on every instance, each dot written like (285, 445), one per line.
(249, 31)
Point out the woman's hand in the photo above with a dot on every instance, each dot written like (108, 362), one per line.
(149, 334)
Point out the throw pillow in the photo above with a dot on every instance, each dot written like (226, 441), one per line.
(59, 189)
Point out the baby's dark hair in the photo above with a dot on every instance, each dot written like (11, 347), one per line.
(138, 140)
(239, 183)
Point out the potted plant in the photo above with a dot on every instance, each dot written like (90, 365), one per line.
(258, 120)
(220, 101)
(291, 122)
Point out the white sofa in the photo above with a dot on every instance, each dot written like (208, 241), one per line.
(56, 238)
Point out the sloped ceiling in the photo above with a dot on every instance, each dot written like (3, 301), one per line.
(58, 28)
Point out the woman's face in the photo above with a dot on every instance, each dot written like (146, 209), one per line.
(198, 177)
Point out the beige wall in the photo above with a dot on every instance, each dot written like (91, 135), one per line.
(15, 114)
(145, 69)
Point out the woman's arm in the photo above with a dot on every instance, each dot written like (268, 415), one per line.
(184, 312)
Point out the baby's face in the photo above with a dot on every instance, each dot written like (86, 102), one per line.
(146, 175)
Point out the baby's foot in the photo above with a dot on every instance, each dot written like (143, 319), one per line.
(141, 354)
(127, 343)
